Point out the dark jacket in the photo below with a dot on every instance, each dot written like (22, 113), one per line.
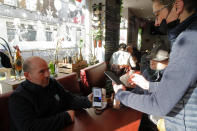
(34, 108)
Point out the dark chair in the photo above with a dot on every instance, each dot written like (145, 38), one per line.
(4, 111)
(93, 76)
(70, 82)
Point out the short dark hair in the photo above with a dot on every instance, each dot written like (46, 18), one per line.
(122, 46)
(26, 65)
(168, 3)
(190, 5)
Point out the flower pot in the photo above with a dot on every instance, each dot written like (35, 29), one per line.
(95, 43)
(80, 56)
(99, 43)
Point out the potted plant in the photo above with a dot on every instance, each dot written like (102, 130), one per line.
(98, 37)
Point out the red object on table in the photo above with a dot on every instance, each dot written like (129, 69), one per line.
(123, 119)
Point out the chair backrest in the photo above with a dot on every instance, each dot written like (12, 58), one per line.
(93, 76)
(4, 111)
(70, 82)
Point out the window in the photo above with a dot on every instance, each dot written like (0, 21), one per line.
(25, 32)
(31, 5)
(11, 2)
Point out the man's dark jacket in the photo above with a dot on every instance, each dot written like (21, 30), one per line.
(34, 108)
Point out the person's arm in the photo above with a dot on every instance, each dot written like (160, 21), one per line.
(78, 102)
(132, 62)
(73, 101)
(148, 76)
(143, 83)
(180, 74)
(24, 117)
(112, 59)
(154, 86)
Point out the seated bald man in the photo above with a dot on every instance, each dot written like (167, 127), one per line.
(40, 103)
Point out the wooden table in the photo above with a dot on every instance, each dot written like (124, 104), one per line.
(123, 119)
(66, 68)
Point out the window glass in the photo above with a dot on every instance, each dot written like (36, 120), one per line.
(11, 2)
(31, 5)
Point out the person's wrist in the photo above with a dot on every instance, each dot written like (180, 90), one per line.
(90, 97)
(147, 85)
(117, 87)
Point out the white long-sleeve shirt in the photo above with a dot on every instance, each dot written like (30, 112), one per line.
(122, 58)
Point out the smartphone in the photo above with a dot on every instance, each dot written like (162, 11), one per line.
(97, 97)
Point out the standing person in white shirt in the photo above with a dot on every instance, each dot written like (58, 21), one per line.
(121, 60)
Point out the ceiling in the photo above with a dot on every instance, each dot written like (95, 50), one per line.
(141, 8)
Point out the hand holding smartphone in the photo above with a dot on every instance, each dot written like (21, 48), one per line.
(97, 97)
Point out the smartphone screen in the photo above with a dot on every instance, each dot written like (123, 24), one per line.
(97, 97)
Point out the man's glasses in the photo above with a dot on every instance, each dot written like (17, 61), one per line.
(155, 14)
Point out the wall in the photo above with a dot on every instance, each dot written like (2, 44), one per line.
(134, 23)
(125, 13)
(148, 40)
(3, 29)
(124, 26)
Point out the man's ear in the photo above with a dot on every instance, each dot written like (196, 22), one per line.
(179, 5)
(26, 74)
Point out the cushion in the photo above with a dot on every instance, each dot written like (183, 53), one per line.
(93, 76)
(4, 111)
(70, 82)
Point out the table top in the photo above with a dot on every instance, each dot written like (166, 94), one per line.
(13, 82)
(123, 119)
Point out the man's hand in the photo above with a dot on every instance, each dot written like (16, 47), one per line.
(90, 97)
(72, 114)
(134, 59)
(118, 87)
(139, 80)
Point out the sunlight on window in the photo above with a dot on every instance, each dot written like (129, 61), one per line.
(11, 2)
(31, 4)
(139, 40)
